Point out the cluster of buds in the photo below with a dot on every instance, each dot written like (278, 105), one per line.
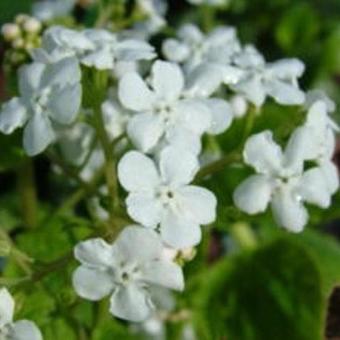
(21, 36)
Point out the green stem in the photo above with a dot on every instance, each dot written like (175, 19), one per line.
(28, 195)
(110, 166)
(79, 194)
(208, 17)
(218, 165)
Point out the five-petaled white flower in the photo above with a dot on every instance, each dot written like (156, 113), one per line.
(281, 181)
(161, 195)
(96, 48)
(258, 79)
(171, 111)
(10, 330)
(48, 94)
(128, 269)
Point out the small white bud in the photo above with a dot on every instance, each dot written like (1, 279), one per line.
(188, 254)
(10, 31)
(239, 105)
(32, 25)
(18, 43)
(21, 18)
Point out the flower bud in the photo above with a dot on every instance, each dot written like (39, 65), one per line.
(188, 254)
(10, 31)
(18, 43)
(239, 106)
(32, 25)
(21, 18)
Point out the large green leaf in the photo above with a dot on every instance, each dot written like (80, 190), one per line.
(270, 293)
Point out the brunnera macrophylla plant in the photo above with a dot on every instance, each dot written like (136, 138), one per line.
(107, 103)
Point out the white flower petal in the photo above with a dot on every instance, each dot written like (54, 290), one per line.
(136, 172)
(253, 195)
(184, 139)
(284, 93)
(262, 153)
(313, 188)
(145, 130)
(177, 167)
(194, 115)
(134, 93)
(190, 33)
(30, 77)
(12, 116)
(144, 208)
(204, 80)
(313, 96)
(232, 75)
(295, 151)
(164, 273)
(24, 330)
(64, 103)
(6, 307)
(288, 210)
(178, 232)
(331, 175)
(131, 50)
(252, 88)
(197, 204)
(63, 72)
(286, 68)
(101, 59)
(92, 284)
(139, 244)
(38, 134)
(221, 113)
(131, 303)
(94, 253)
(175, 50)
(167, 80)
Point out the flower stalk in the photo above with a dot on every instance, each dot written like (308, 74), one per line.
(28, 195)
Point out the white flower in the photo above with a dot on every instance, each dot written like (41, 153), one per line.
(280, 180)
(259, 79)
(48, 94)
(49, 9)
(128, 269)
(97, 48)
(162, 112)
(193, 47)
(19, 330)
(162, 195)
(320, 142)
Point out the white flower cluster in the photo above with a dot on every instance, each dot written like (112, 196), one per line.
(18, 330)
(164, 112)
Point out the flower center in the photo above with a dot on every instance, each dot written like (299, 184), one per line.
(40, 101)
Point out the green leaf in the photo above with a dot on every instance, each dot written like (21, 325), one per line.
(270, 293)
